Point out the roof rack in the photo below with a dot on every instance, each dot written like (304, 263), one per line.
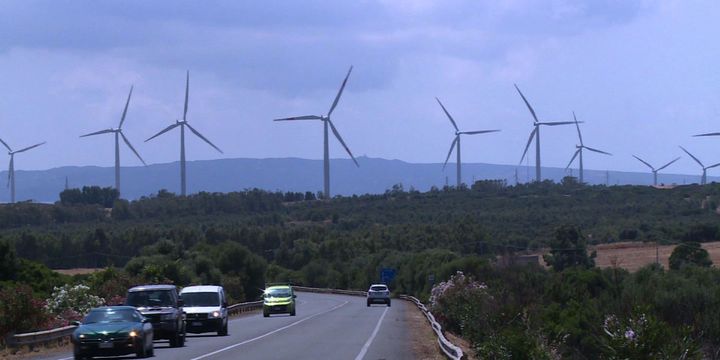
(286, 283)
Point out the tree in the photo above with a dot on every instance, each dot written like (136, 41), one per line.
(568, 249)
(689, 253)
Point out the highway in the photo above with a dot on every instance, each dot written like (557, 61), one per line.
(326, 327)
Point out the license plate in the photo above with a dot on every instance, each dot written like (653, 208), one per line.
(106, 345)
(196, 323)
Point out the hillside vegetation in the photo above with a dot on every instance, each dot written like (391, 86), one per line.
(243, 239)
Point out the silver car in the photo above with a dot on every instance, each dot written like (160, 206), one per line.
(378, 293)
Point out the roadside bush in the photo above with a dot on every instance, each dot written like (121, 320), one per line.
(72, 302)
(20, 311)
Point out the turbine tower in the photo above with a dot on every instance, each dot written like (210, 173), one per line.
(456, 143)
(579, 151)
(119, 134)
(11, 170)
(327, 122)
(536, 134)
(703, 178)
(182, 124)
(655, 171)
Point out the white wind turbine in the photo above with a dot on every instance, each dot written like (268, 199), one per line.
(119, 134)
(182, 124)
(579, 151)
(536, 134)
(703, 178)
(11, 169)
(655, 171)
(456, 142)
(327, 122)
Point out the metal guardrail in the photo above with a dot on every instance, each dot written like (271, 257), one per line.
(244, 307)
(40, 337)
(451, 350)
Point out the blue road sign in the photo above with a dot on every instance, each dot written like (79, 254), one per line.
(387, 275)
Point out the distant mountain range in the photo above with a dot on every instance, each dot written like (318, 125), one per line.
(292, 174)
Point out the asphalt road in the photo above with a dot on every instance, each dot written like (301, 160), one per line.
(326, 327)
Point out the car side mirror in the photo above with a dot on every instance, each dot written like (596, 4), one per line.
(76, 323)
(145, 320)
(224, 304)
(180, 303)
(294, 296)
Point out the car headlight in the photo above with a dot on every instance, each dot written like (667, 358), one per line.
(167, 317)
(133, 333)
(215, 314)
(81, 336)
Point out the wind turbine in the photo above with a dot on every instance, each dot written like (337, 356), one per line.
(11, 170)
(182, 124)
(655, 171)
(456, 142)
(536, 133)
(579, 151)
(326, 121)
(119, 134)
(703, 179)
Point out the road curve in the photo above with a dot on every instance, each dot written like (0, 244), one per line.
(326, 327)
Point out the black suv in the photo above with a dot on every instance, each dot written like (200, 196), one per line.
(162, 305)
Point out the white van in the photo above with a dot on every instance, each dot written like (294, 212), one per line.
(205, 307)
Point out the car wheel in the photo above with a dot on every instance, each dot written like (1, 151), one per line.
(223, 330)
(141, 353)
(265, 314)
(181, 340)
(292, 313)
(388, 303)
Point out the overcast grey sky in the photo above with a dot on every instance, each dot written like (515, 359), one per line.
(641, 74)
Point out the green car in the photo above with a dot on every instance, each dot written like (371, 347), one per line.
(111, 331)
(279, 299)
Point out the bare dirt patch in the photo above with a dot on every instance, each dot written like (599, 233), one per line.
(422, 338)
(78, 271)
(632, 256)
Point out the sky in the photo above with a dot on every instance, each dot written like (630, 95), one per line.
(641, 75)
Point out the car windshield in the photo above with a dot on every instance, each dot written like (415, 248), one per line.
(111, 315)
(278, 293)
(150, 298)
(378, 288)
(201, 299)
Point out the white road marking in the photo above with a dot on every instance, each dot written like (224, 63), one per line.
(365, 348)
(269, 333)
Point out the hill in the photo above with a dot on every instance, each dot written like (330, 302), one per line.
(374, 176)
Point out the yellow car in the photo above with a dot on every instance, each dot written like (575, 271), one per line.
(279, 299)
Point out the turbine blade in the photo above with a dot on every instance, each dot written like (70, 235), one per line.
(573, 158)
(477, 132)
(556, 123)
(708, 134)
(99, 132)
(163, 131)
(337, 135)
(122, 119)
(342, 87)
(528, 144)
(204, 138)
(305, 117)
(29, 147)
(127, 142)
(6, 145)
(577, 125)
(596, 150)
(712, 166)
(448, 115)
(526, 103)
(645, 162)
(692, 156)
(452, 146)
(668, 164)
(187, 92)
